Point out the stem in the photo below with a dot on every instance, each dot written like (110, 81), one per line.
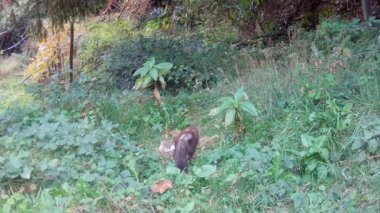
(156, 94)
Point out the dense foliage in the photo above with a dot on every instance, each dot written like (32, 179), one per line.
(114, 54)
(90, 146)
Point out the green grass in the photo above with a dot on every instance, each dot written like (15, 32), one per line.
(12, 91)
(313, 148)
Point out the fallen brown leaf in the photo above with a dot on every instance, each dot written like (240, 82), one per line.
(21, 189)
(161, 186)
(32, 187)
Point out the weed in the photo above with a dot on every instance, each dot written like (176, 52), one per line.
(233, 109)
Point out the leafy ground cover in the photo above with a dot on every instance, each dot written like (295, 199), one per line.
(314, 146)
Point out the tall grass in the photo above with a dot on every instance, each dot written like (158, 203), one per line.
(11, 65)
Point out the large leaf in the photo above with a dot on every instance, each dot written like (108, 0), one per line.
(357, 144)
(141, 71)
(307, 140)
(138, 83)
(239, 94)
(226, 99)
(154, 73)
(26, 171)
(164, 67)
(216, 111)
(171, 170)
(150, 63)
(373, 145)
(248, 107)
(146, 81)
(230, 117)
(227, 103)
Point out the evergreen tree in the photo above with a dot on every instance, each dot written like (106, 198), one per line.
(60, 12)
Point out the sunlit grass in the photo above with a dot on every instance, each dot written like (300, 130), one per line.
(12, 89)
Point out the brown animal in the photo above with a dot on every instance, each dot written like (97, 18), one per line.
(185, 144)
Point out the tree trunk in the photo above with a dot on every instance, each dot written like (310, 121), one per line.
(71, 51)
(366, 7)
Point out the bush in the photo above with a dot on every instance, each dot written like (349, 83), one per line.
(195, 65)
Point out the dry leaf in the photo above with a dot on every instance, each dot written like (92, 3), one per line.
(161, 186)
(32, 187)
(21, 190)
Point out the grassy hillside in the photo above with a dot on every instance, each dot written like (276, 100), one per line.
(92, 147)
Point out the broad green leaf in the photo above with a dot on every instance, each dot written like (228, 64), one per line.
(150, 63)
(299, 199)
(139, 82)
(164, 67)
(14, 163)
(171, 170)
(230, 103)
(372, 145)
(324, 153)
(307, 140)
(215, 111)
(347, 107)
(313, 116)
(231, 178)
(312, 165)
(26, 171)
(90, 177)
(227, 100)
(154, 73)
(162, 80)
(230, 117)
(145, 71)
(146, 82)
(43, 165)
(205, 171)
(53, 163)
(248, 107)
(186, 180)
(141, 71)
(362, 156)
(227, 103)
(239, 94)
(357, 144)
(188, 208)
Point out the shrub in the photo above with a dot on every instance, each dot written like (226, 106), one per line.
(233, 109)
(117, 57)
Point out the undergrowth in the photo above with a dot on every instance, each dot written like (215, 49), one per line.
(313, 148)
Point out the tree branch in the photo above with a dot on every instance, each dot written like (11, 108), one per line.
(4, 32)
(15, 45)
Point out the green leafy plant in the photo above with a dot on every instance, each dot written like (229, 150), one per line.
(367, 137)
(233, 109)
(152, 72)
(315, 153)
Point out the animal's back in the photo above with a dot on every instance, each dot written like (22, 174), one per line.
(185, 144)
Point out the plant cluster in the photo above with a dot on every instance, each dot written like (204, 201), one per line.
(113, 60)
(78, 153)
